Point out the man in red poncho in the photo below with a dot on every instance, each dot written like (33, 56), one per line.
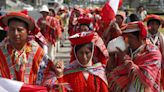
(139, 67)
(51, 30)
(22, 59)
(156, 37)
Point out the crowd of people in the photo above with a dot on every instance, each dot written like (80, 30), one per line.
(28, 50)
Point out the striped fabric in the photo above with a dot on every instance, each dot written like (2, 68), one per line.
(143, 73)
(49, 33)
(33, 70)
(161, 38)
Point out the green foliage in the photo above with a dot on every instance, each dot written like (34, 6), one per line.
(67, 1)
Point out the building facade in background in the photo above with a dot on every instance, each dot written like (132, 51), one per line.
(154, 5)
(34, 3)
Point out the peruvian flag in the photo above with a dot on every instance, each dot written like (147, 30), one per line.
(110, 9)
(7, 85)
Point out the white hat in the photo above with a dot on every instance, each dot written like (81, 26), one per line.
(1, 28)
(44, 8)
(116, 42)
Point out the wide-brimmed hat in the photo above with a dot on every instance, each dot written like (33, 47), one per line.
(84, 20)
(136, 26)
(81, 38)
(26, 18)
(154, 17)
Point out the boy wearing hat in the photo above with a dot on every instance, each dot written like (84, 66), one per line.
(51, 30)
(22, 59)
(138, 68)
(155, 36)
(84, 24)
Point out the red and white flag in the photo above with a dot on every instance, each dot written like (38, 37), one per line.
(110, 9)
(7, 85)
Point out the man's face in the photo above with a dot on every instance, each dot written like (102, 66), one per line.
(153, 26)
(141, 9)
(17, 32)
(51, 14)
(131, 40)
(44, 14)
(119, 20)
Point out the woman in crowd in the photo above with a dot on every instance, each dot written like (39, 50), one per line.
(100, 51)
(83, 75)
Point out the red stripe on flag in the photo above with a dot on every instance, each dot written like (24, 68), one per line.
(120, 4)
(107, 13)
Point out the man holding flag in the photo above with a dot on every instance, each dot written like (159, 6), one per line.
(109, 10)
(108, 14)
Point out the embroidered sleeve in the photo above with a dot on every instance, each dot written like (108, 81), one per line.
(44, 67)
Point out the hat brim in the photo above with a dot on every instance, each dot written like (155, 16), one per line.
(131, 30)
(21, 16)
(84, 20)
(153, 17)
(44, 11)
(77, 39)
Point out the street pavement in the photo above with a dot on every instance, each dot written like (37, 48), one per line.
(64, 52)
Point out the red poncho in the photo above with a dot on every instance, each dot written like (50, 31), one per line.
(143, 72)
